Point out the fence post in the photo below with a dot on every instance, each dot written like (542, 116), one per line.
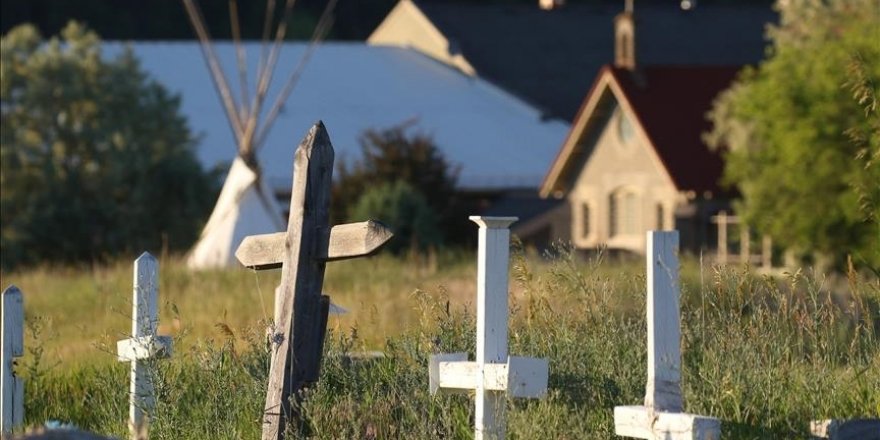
(721, 218)
(11, 386)
(144, 343)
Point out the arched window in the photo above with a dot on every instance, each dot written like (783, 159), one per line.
(585, 219)
(623, 212)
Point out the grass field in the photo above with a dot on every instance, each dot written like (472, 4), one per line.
(764, 355)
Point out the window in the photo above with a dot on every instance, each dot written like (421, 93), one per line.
(625, 129)
(660, 217)
(585, 219)
(623, 213)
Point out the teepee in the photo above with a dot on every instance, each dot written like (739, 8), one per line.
(246, 205)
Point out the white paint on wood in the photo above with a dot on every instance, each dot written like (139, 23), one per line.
(663, 391)
(434, 369)
(493, 373)
(493, 255)
(520, 377)
(643, 422)
(144, 345)
(662, 417)
(11, 386)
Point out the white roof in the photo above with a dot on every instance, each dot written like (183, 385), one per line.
(498, 140)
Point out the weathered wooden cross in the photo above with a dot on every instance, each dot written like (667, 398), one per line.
(494, 372)
(662, 416)
(11, 386)
(302, 252)
(144, 343)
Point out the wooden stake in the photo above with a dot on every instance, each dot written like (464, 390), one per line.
(11, 386)
(297, 343)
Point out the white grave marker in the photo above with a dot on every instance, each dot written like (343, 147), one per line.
(144, 343)
(661, 417)
(494, 372)
(11, 386)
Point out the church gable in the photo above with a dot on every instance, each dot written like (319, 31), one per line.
(621, 188)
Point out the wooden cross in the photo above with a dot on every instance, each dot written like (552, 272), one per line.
(302, 252)
(12, 341)
(144, 343)
(494, 372)
(662, 415)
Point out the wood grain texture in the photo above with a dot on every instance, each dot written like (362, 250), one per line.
(295, 343)
(352, 240)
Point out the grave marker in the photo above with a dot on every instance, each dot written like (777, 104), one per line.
(144, 343)
(494, 373)
(11, 386)
(302, 252)
(661, 417)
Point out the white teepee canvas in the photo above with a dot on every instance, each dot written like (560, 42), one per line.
(245, 207)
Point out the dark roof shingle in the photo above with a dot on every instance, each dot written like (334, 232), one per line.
(671, 103)
(550, 58)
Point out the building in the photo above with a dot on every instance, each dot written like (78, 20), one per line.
(353, 87)
(549, 57)
(634, 159)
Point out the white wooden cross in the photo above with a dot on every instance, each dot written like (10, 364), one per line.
(662, 416)
(494, 372)
(144, 343)
(11, 386)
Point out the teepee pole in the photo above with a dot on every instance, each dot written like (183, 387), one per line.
(220, 83)
(246, 148)
(321, 30)
(240, 58)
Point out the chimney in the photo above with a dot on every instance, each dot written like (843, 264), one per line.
(549, 5)
(625, 38)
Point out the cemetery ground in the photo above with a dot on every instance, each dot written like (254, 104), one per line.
(766, 356)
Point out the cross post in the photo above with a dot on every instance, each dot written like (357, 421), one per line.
(144, 343)
(494, 373)
(662, 416)
(11, 386)
(302, 253)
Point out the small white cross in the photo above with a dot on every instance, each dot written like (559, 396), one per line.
(494, 373)
(662, 416)
(144, 343)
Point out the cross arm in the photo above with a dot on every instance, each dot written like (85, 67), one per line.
(642, 422)
(266, 251)
(519, 377)
(143, 347)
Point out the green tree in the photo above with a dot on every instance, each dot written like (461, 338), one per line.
(95, 158)
(405, 210)
(785, 124)
(392, 155)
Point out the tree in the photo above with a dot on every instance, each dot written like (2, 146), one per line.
(785, 123)
(95, 157)
(405, 210)
(392, 155)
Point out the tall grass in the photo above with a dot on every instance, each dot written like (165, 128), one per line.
(764, 355)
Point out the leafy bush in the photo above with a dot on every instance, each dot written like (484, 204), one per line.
(405, 210)
(392, 155)
(96, 157)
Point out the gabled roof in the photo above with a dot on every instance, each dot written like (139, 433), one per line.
(353, 87)
(549, 57)
(670, 105)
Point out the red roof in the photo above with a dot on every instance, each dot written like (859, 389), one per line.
(671, 105)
